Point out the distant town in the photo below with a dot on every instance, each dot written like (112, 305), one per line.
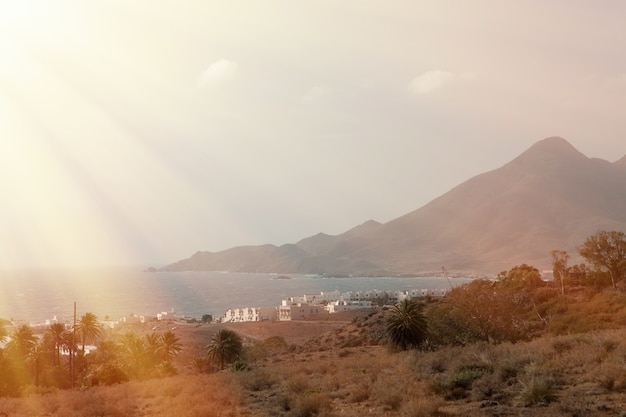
(305, 307)
(312, 306)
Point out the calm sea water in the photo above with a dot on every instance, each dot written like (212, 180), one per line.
(37, 295)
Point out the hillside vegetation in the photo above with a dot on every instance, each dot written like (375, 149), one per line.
(351, 371)
(513, 346)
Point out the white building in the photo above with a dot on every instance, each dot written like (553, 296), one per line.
(301, 311)
(311, 306)
(339, 306)
(247, 314)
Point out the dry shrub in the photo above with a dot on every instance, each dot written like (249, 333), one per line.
(297, 384)
(334, 381)
(325, 367)
(390, 393)
(426, 365)
(256, 380)
(604, 310)
(172, 389)
(423, 406)
(311, 405)
(612, 377)
(268, 347)
(537, 389)
(455, 385)
(509, 369)
(561, 346)
(353, 341)
(487, 387)
(344, 352)
(360, 393)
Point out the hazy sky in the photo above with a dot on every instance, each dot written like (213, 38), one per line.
(138, 132)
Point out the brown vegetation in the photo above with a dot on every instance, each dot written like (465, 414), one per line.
(514, 346)
(349, 371)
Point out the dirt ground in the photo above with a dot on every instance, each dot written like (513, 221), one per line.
(195, 336)
(294, 332)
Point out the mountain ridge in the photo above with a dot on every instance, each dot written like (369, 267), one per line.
(549, 197)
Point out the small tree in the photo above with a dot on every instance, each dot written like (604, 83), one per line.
(406, 325)
(559, 267)
(606, 251)
(578, 274)
(225, 347)
(521, 277)
(494, 312)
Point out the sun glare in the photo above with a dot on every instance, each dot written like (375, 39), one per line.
(12, 13)
(17, 20)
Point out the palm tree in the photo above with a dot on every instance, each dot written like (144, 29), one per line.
(22, 342)
(406, 325)
(225, 346)
(88, 328)
(169, 346)
(37, 358)
(107, 351)
(56, 335)
(153, 345)
(68, 344)
(132, 352)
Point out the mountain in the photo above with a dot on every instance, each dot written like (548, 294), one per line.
(550, 197)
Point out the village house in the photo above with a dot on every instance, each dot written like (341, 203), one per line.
(340, 306)
(300, 311)
(246, 314)
(312, 306)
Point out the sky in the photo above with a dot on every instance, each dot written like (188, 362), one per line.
(139, 132)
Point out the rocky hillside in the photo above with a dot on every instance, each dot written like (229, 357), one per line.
(550, 197)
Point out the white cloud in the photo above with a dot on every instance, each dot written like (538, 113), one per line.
(433, 80)
(218, 71)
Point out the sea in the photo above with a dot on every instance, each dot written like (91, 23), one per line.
(112, 293)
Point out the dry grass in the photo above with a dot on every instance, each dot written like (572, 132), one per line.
(577, 375)
(582, 374)
(184, 396)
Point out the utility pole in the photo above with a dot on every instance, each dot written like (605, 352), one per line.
(72, 353)
(444, 271)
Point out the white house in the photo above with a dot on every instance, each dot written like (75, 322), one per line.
(247, 314)
(339, 306)
(301, 311)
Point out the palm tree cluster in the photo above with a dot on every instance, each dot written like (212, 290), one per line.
(59, 358)
(146, 356)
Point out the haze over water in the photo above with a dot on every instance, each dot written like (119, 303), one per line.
(38, 295)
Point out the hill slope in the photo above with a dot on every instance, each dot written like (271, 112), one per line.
(550, 197)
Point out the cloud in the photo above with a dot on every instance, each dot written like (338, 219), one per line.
(433, 80)
(217, 72)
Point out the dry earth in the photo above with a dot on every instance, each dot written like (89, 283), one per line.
(338, 367)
